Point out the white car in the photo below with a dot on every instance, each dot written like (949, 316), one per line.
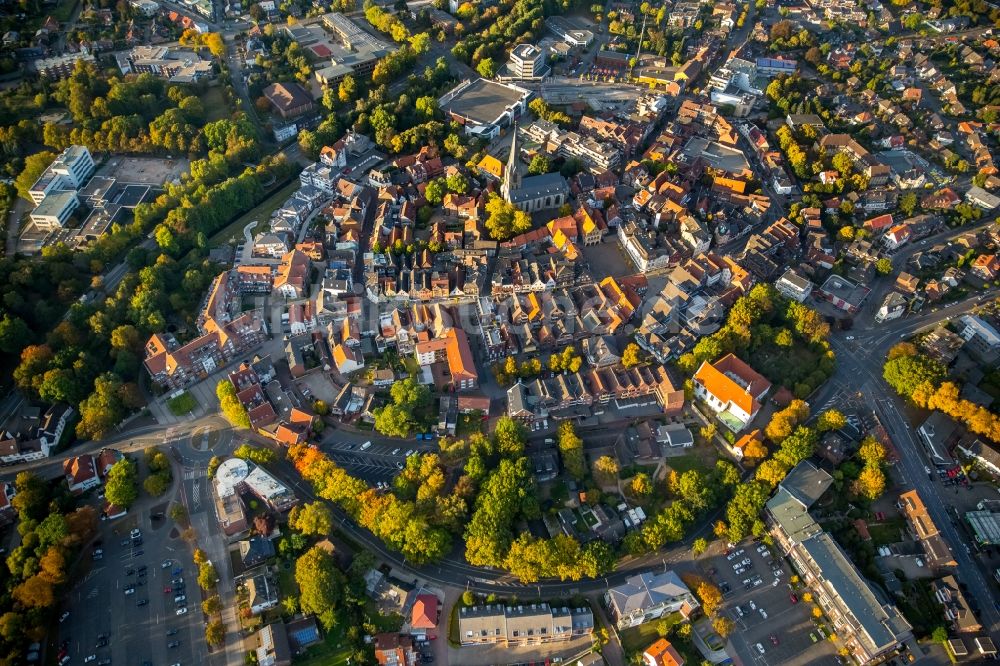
(129, 590)
(89, 658)
(136, 533)
(179, 598)
(181, 611)
(366, 446)
(753, 606)
(62, 618)
(166, 564)
(760, 648)
(763, 613)
(409, 452)
(739, 611)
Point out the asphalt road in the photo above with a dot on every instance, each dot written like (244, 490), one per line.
(859, 363)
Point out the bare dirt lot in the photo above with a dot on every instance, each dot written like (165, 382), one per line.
(144, 170)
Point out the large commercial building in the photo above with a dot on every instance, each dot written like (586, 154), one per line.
(176, 67)
(485, 107)
(869, 626)
(235, 477)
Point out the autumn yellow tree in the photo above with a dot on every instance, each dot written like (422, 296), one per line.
(783, 423)
(723, 626)
(771, 472)
(605, 470)
(871, 482)
(755, 449)
(871, 451)
(631, 355)
(831, 419)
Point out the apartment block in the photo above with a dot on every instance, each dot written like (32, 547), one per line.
(870, 627)
(512, 626)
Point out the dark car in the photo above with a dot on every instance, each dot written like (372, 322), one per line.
(129, 572)
(173, 644)
(142, 602)
(177, 572)
(172, 632)
(427, 659)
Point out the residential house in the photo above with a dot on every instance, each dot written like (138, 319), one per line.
(255, 550)
(272, 647)
(956, 607)
(986, 454)
(511, 626)
(936, 549)
(81, 474)
(424, 616)
(648, 596)
(262, 593)
(392, 649)
(732, 389)
(662, 653)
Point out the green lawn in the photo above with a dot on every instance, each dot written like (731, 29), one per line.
(686, 462)
(886, 532)
(182, 404)
(328, 653)
(214, 102)
(64, 10)
(641, 637)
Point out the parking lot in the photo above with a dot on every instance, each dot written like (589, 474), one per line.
(138, 626)
(773, 623)
(374, 462)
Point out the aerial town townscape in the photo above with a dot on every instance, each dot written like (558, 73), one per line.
(496, 332)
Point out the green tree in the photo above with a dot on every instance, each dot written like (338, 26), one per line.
(906, 373)
(539, 165)
(504, 221)
(230, 404)
(212, 605)
(207, 576)
(320, 585)
(884, 266)
(641, 485)
(258, 454)
(486, 68)
(120, 485)
(699, 546)
(215, 633)
(34, 165)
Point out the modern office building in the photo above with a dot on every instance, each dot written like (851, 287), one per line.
(527, 63)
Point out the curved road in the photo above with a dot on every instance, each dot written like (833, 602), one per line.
(857, 368)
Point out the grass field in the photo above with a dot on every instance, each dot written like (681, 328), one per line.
(641, 637)
(215, 104)
(64, 10)
(182, 404)
(686, 462)
(886, 532)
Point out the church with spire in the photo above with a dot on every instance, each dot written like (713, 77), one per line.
(534, 193)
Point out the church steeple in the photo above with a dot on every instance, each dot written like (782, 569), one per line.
(511, 172)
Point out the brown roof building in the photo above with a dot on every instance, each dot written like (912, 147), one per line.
(925, 531)
(288, 99)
